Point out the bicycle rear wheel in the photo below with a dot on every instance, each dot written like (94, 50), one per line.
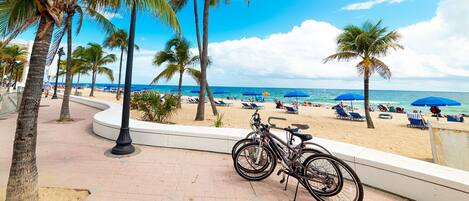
(332, 176)
(254, 162)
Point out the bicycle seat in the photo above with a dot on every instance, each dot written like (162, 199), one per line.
(303, 137)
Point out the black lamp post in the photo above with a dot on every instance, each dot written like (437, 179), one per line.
(124, 142)
(61, 53)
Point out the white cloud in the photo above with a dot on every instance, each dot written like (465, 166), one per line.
(436, 49)
(369, 4)
(109, 14)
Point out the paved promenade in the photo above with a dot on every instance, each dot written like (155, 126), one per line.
(70, 155)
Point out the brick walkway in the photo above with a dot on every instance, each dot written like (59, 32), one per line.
(70, 155)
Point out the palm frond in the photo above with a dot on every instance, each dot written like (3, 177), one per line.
(162, 9)
(194, 73)
(106, 71)
(79, 11)
(381, 68)
(107, 25)
(167, 73)
(341, 56)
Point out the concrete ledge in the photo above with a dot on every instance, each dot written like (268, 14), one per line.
(404, 176)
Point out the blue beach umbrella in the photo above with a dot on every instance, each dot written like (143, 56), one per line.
(252, 93)
(195, 91)
(173, 90)
(435, 101)
(221, 91)
(349, 97)
(296, 94)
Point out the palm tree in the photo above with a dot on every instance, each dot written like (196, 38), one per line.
(16, 17)
(177, 57)
(367, 43)
(203, 52)
(118, 39)
(96, 59)
(74, 7)
(15, 57)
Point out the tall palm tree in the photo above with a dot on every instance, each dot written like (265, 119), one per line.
(203, 52)
(96, 58)
(367, 43)
(81, 8)
(16, 17)
(118, 39)
(177, 57)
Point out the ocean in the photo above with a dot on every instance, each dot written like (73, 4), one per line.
(323, 96)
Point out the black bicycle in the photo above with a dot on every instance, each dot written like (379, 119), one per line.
(324, 176)
(253, 136)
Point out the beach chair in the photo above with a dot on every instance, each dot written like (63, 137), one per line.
(356, 116)
(224, 104)
(247, 106)
(255, 106)
(291, 110)
(455, 118)
(341, 114)
(416, 121)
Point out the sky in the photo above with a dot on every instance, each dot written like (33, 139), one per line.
(276, 43)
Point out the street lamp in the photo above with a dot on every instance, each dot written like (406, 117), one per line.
(61, 53)
(124, 142)
(17, 63)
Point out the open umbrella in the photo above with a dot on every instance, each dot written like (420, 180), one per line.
(266, 93)
(349, 97)
(435, 101)
(221, 91)
(195, 91)
(296, 94)
(252, 93)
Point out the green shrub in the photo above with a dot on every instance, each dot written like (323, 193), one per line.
(219, 121)
(154, 107)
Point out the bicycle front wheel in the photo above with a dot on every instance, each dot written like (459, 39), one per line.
(254, 162)
(239, 144)
(329, 178)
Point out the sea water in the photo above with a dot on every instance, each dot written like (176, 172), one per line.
(322, 96)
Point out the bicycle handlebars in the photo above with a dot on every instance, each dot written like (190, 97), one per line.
(276, 118)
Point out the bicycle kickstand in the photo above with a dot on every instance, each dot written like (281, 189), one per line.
(296, 191)
(286, 183)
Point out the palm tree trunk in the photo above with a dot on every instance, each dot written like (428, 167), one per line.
(22, 182)
(118, 95)
(200, 116)
(16, 77)
(197, 31)
(181, 73)
(65, 109)
(212, 101)
(78, 83)
(93, 80)
(9, 79)
(369, 121)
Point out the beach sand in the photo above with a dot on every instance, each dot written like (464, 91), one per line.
(57, 194)
(390, 135)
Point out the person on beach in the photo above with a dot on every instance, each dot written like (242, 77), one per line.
(436, 111)
(45, 89)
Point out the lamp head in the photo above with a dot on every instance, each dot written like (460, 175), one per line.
(61, 51)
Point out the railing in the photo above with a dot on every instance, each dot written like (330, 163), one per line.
(10, 102)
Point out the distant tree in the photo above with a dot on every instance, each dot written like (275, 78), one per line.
(178, 58)
(367, 43)
(118, 39)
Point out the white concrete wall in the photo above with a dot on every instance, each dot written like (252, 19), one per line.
(415, 179)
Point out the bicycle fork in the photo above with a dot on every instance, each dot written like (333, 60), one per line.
(259, 153)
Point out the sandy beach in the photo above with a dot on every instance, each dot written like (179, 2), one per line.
(390, 135)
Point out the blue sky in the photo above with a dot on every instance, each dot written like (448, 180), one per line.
(268, 25)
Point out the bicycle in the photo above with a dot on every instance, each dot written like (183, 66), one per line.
(321, 174)
(255, 123)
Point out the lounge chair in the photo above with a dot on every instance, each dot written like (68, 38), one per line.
(255, 106)
(455, 118)
(416, 121)
(247, 106)
(341, 114)
(356, 116)
(291, 110)
(224, 104)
